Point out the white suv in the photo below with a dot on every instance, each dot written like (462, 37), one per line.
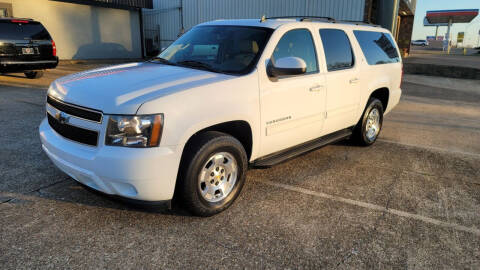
(225, 96)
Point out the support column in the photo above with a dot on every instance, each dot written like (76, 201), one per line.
(405, 34)
(142, 33)
(448, 36)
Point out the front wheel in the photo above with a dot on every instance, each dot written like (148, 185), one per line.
(368, 128)
(212, 173)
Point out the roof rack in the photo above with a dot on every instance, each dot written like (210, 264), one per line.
(318, 18)
(358, 23)
(301, 18)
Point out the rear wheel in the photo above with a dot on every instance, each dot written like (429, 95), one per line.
(212, 173)
(368, 128)
(34, 74)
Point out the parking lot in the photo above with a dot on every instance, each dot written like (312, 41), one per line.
(412, 200)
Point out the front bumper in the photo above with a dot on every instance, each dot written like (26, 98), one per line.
(145, 174)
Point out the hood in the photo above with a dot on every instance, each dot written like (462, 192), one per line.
(122, 89)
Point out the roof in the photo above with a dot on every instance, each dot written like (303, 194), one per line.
(456, 15)
(275, 23)
(248, 22)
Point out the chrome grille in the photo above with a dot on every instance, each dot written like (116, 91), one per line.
(78, 111)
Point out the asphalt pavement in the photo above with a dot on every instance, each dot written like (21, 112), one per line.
(435, 56)
(410, 201)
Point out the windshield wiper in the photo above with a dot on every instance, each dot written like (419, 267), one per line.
(162, 60)
(197, 64)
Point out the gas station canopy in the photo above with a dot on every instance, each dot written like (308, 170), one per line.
(456, 16)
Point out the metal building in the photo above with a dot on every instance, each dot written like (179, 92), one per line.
(169, 18)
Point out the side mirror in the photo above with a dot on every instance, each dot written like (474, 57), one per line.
(286, 66)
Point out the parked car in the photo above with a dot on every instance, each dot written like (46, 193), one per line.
(225, 96)
(26, 46)
(420, 42)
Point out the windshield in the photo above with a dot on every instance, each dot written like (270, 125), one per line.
(225, 49)
(20, 31)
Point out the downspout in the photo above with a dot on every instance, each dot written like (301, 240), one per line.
(306, 6)
(142, 34)
(396, 6)
(182, 30)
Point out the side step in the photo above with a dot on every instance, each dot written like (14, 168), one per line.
(297, 150)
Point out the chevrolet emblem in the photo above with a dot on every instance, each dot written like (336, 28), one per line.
(62, 117)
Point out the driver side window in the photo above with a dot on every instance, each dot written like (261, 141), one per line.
(298, 43)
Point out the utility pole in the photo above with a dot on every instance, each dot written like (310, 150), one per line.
(478, 39)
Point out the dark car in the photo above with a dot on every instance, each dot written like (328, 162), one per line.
(26, 46)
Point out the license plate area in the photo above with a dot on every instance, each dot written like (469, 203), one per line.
(28, 51)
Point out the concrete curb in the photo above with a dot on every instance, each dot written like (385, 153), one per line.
(442, 71)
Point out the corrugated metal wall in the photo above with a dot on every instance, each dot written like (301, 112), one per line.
(205, 10)
(167, 14)
(163, 22)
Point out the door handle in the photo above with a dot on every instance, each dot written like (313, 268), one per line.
(316, 88)
(354, 80)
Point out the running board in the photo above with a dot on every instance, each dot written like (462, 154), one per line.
(297, 150)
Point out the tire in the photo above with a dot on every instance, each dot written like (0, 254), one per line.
(362, 133)
(33, 74)
(205, 185)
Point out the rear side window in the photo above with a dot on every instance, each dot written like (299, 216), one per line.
(337, 48)
(377, 47)
(298, 43)
(22, 31)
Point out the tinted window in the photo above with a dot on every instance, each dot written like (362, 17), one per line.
(21, 31)
(229, 49)
(377, 47)
(297, 43)
(337, 48)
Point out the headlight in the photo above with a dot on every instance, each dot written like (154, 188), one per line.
(134, 131)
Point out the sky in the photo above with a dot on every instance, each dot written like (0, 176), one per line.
(470, 29)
